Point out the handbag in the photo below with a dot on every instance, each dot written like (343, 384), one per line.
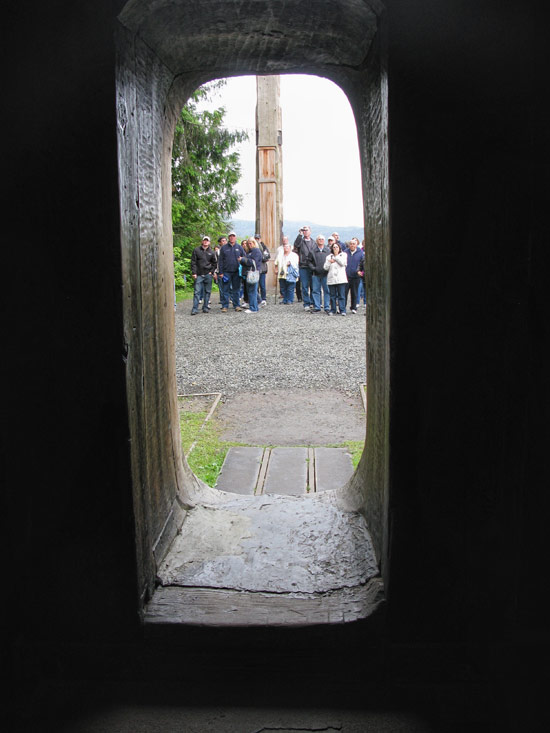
(292, 273)
(252, 276)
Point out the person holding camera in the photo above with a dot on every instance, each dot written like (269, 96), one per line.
(335, 264)
(303, 246)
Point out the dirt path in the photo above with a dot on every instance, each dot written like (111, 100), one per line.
(292, 417)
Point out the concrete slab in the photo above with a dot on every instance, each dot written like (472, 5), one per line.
(239, 473)
(287, 472)
(333, 468)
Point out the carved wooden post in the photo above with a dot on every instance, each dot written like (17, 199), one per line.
(269, 168)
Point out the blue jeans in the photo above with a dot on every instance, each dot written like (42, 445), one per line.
(361, 295)
(203, 289)
(305, 280)
(262, 285)
(252, 290)
(287, 289)
(319, 283)
(353, 289)
(338, 295)
(231, 289)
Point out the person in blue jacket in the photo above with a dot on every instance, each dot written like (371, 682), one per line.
(228, 272)
(353, 268)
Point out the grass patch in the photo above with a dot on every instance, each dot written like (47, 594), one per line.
(207, 457)
(355, 447)
(184, 294)
(190, 424)
(187, 293)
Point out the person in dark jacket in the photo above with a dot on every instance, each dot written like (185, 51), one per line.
(221, 241)
(203, 267)
(353, 269)
(228, 272)
(251, 261)
(316, 263)
(265, 257)
(243, 292)
(303, 245)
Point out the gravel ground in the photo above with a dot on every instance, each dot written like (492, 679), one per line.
(282, 346)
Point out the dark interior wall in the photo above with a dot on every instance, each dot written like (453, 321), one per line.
(468, 162)
(68, 490)
(469, 397)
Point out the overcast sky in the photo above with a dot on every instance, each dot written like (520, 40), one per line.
(321, 171)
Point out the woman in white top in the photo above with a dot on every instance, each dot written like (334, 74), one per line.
(286, 267)
(336, 263)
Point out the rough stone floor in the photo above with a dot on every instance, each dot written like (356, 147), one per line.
(268, 560)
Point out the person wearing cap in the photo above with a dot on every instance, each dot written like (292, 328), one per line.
(203, 267)
(265, 257)
(316, 262)
(228, 272)
(303, 245)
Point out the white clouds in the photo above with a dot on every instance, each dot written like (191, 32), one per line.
(321, 171)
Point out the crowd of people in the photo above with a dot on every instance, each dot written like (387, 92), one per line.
(322, 274)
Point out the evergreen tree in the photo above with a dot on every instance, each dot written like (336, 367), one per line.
(204, 175)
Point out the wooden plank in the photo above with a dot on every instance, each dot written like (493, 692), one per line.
(287, 471)
(240, 470)
(333, 468)
(220, 607)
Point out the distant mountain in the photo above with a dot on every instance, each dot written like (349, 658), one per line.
(245, 228)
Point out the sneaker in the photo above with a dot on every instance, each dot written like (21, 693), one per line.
(244, 305)
(329, 313)
(194, 313)
(306, 307)
(206, 310)
(342, 314)
(238, 308)
(249, 311)
(263, 302)
(224, 310)
(353, 310)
